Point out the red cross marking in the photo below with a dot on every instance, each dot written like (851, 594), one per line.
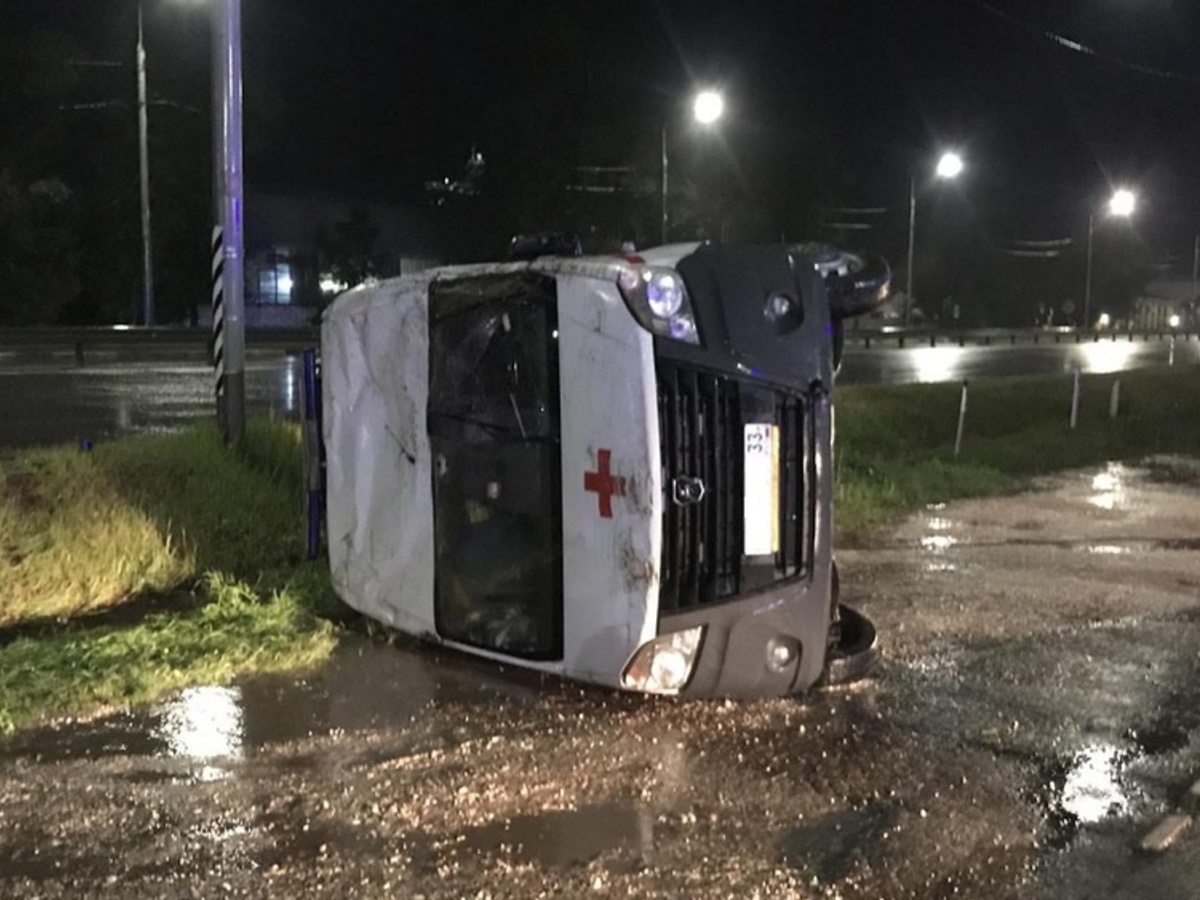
(604, 483)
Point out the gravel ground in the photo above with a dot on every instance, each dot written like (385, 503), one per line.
(1033, 715)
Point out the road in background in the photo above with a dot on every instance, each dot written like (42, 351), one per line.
(54, 400)
(51, 398)
(950, 362)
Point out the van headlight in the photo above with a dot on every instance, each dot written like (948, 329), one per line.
(664, 665)
(659, 301)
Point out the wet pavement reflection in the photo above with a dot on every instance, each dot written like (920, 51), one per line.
(49, 398)
(54, 400)
(948, 362)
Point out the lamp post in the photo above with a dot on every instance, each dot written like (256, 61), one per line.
(950, 165)
(144, 161)
(1122, 204)
(229, 341)
(707, 108)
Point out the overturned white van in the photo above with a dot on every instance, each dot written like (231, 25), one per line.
(616, 469)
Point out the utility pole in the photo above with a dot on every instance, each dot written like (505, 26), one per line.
(229, 331)
(663, 236)
(912, 232)
(1195, 267)
(144, 157)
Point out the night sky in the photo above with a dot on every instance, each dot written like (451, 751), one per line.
(1050, 103)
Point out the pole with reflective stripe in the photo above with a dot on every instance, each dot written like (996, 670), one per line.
(227, 102)
(218, 326)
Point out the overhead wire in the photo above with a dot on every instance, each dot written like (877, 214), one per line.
(1078, 47)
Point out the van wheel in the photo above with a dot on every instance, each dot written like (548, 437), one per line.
(856, 649)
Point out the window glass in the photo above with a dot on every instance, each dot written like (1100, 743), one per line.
(494, 431)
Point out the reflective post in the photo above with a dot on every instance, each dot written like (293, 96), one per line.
(1087, 284)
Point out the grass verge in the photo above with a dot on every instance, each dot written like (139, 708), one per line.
(84, 538)
(895, 450)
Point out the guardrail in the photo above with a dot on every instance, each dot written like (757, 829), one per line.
(986, 337)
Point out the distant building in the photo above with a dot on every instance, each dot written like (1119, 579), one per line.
(1164, 304)
(303, 250)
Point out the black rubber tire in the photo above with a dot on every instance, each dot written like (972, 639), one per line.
(857, 649)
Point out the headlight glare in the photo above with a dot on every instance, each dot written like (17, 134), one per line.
(659, 301)
(664, 293)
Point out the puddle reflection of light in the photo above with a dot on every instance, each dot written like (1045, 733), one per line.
(933, 364)
(1109, 487)
(204, 723)
(1106, 356)
(1091, 791)
(937, 542)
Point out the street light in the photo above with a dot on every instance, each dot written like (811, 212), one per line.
(949, 165)
(229, 333)
(707, 107)
(1121, 204)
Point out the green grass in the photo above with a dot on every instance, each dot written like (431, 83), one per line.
(240, 629)
(895, 449)
(171, 560)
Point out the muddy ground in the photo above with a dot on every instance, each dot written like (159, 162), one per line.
(1034, 713)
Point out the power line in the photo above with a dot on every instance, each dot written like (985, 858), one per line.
(1076, 47)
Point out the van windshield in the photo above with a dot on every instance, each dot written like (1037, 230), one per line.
(493, 420)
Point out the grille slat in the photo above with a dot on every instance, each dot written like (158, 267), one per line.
(701, 430)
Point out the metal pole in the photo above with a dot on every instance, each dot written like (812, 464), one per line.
(1075, 400)
(228, 40)
(218, 231)
(663, 236)
(912, 231)
(1195, 267)
(144, 156)
(962, 419)
(1087, 285)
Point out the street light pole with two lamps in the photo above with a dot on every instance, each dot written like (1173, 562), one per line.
(950, 165)
(707, 108)
(1120, 204)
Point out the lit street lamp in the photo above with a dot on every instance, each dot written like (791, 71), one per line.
(950, 165)
(707, 108)
(1122, 204)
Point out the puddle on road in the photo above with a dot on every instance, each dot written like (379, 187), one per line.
(938, 542)
(564, 838)
(1109, 487)
(1084, 788)
(212, 727)
(834, 845)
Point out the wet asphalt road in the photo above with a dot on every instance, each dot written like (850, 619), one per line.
(47, 398)
(50, 399)
(1036, 710)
